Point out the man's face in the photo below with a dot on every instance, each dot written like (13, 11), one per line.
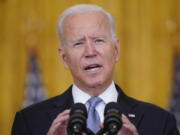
(89, 52)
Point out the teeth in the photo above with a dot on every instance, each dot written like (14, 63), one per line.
(92, 67)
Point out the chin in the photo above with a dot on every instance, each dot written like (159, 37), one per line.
(94, 84)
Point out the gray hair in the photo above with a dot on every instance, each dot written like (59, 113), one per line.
(84, 8)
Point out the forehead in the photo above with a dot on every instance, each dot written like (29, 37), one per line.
(86, 24)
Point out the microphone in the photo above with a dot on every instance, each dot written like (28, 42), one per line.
(112, 118)
(78, 116)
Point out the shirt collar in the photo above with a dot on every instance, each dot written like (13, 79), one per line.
(79, 96)
(109, 95)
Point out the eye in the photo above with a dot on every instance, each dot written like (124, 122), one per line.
(77, 43)
(99, 40)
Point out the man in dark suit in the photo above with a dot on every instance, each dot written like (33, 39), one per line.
(89, 49)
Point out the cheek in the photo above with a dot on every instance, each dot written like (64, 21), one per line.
(74, 61)
(72, 58)
(110, 56)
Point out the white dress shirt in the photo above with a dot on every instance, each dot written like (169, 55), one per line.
(109, 95)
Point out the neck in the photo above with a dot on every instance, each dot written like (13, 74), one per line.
(95, 90)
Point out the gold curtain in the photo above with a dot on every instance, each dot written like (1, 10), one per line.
(148, 31)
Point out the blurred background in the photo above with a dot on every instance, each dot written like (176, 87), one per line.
(30, 67)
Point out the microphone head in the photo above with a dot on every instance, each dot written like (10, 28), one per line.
(112, 120)
(78, 116)
(79, 108)
(112, 107)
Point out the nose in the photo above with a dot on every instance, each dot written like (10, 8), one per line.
(90, 50)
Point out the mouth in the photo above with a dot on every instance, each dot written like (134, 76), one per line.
(93, 67)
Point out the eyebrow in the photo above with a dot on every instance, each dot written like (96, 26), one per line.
(78, 39)
(84, 38)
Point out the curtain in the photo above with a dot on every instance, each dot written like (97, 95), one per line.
(148, 31)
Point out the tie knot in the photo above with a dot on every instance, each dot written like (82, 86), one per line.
(94, 101)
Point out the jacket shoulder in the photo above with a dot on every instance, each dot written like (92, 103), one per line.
(56, 101)
(154, 119)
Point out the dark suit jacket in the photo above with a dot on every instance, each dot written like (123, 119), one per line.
(149, 119)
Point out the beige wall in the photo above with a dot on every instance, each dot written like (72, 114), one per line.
(149, 33)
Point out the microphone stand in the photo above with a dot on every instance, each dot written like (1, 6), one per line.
(102, 132)
(89, 132)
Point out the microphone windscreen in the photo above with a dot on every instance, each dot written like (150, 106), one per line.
(112, 118)
(112, 107)
(77, 121)
(79, 108)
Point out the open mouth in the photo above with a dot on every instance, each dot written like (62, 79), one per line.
(93, 67)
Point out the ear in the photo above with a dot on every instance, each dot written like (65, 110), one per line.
(117, 50)
(63, 55)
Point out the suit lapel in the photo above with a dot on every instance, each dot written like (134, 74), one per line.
(128, 107)
(61, 103)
